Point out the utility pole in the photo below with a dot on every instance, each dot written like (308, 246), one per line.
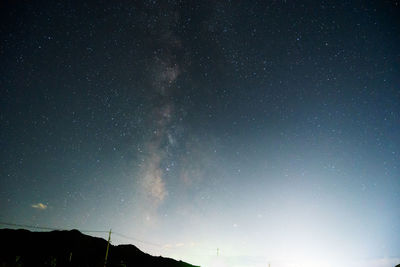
(108, 245)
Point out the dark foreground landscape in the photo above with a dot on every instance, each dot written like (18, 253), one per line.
(71, 248)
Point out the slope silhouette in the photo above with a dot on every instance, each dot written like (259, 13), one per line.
(71, 248)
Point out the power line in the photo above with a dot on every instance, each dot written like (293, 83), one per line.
(89, 231)
(48, 228)
(138, 240)
(86, 231)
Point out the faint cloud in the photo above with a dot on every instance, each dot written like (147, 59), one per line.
(39, 206)
(177, 245)
(199, 161)
(186, 177)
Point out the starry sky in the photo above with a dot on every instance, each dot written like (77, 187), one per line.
(267, 129)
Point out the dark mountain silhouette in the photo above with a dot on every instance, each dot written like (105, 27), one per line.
(71, 248)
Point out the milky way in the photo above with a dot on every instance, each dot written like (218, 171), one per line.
(164, 69)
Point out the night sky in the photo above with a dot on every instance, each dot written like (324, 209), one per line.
(267, 129)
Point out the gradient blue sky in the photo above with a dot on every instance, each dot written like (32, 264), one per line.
(267, 129)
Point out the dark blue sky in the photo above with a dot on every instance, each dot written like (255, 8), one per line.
(269, 129)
